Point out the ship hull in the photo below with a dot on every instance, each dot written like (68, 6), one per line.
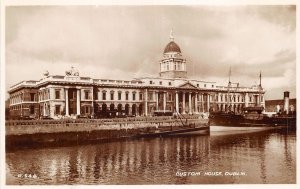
(240, 122)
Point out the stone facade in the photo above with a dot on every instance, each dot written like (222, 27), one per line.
(71, 95)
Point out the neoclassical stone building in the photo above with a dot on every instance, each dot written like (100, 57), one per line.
(172, 91)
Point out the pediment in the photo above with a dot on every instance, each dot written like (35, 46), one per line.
(187, 85)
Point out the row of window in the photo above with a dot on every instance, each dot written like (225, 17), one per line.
(19, 98)
(224, 98)
(17, 107)
(44, 94)
(112, 96)
(16, 99)
(73, 94)
(84, 110)
(177, 66)
(170, 83)
(171, 55)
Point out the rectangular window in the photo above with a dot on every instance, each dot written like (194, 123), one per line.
(57, 94)
(111, 96)
(133, 96)
(57, 109)
(126, 96)
(87, 109)
(170, 83)
(96, 96)
(151, 82)
(31, 109)
(119, 95)
(32, 96)
(170, 97)
(150, 97)
(141, 96)
(204, 85)
(86, 95)
(160, 82)
(104, 96)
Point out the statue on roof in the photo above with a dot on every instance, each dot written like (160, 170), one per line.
(72, 72)
(46, 73)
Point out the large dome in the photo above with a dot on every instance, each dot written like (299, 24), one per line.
(172, 47)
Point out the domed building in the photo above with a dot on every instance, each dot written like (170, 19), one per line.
(173, 65)
(70, 95)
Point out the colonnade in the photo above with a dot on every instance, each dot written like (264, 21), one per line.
(185, 102)
(77, 101)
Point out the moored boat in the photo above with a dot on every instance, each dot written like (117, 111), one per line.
(251, 118)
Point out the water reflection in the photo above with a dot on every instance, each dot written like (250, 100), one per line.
(266, 157)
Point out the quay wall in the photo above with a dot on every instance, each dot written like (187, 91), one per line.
(60, 132)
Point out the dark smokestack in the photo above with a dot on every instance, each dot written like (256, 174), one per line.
(286, 95)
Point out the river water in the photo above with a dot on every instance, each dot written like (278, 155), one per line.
(219, 158)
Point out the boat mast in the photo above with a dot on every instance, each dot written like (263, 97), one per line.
(228, 91)
(260, 90)
(260, 78)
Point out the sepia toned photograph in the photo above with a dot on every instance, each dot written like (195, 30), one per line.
(150, 94)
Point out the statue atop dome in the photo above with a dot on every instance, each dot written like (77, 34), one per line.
(171, 35)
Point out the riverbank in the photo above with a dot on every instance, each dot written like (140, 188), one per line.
(34, 133)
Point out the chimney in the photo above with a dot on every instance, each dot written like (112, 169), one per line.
(286, 95)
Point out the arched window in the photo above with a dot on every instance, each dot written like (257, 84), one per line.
(103, 95)
(112, 95)
(126, 95)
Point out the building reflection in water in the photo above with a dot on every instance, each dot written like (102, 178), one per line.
(266, 157)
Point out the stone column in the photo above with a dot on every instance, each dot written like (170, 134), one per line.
(165, 101)
(130, 110)
(208, 100)
(146, 102)
(263, 101)
(190, 103)
(156, 100)
(67, 101)
(78, 102)
(246, 100)
(258, 100)
(177, 102)
(183, 103)
(202, 102)
(196, 102)
(44, 109)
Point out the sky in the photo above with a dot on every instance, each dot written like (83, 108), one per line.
(125, 42)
